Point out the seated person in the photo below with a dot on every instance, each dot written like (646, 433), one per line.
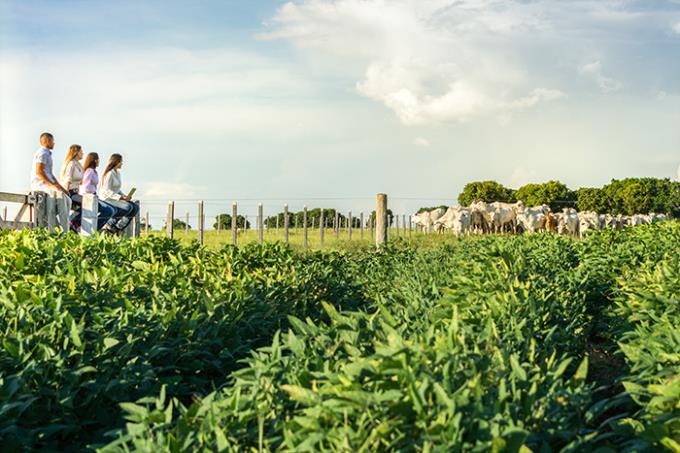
(89, 186)
(110, 191)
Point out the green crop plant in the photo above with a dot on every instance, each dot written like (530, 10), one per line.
(494, 343)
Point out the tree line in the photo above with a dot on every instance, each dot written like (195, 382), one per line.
(296, 218)
(627, 196)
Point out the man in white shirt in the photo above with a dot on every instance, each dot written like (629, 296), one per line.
(42, 176)
(43, 180)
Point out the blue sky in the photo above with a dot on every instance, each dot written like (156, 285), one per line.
(274, 100)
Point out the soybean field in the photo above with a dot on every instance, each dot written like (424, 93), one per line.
(498, 343)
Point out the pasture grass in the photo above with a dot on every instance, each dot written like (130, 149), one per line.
(215, 240)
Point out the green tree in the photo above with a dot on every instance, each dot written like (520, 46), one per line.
(297, 218)
(485, 191)
(553, 193)
(591, 199)
(632, 196)
(178, 224)
(641, 195)
(390, 217)
(223, 221)
(432, 208)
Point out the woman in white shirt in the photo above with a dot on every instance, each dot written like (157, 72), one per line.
(110, 192)
(69, 177)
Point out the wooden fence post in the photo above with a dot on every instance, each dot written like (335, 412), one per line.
(50, 212)
(40, 210)
(285, 223)
(169, 228)
(349, 226)
(136, 222)
(200, 222)
(396, 219)
(304, 227)
(186, 225)
(410, 229)
(337, 224)
(361, 225)
(89, 215)
(60, 213)
(260, 223)
(381, 219)
(234, 227)
(321, 227)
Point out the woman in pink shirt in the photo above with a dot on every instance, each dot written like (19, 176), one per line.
(89, 186)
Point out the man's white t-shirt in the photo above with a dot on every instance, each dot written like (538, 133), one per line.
(42, 156)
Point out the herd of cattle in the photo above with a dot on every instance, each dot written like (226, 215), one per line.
(481, 217)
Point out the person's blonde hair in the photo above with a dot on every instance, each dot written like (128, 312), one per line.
(72, 153)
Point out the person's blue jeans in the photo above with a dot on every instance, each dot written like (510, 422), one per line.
(125, 211)
(76, 210)
(106, 214)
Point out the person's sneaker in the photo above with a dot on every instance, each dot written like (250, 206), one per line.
(109, 230)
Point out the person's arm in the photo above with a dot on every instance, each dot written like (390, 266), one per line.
(67, 176)
(40, 171)
(122, 194)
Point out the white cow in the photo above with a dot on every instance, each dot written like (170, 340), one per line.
(642, 219)
(531, 219)
(568, 222)
(531, 222)
(497, 215)
(588, 220)
(610, 222)
(506, 217)
(457, 219)
(426, 219)
(658, 217)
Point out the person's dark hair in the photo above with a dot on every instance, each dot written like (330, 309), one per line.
(114, 160)
(46, 135)
(91, 161)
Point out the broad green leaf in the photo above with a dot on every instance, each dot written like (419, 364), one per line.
(517, 369)
(110, 342)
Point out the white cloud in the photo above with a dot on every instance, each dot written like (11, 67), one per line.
(428, 61)
(536, 96)
(676, 28)
(164, 91)
(421, 141)
(594, 71)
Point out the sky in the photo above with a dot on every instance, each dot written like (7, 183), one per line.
(323, 102)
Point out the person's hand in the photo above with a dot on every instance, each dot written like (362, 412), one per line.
(64, 191)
